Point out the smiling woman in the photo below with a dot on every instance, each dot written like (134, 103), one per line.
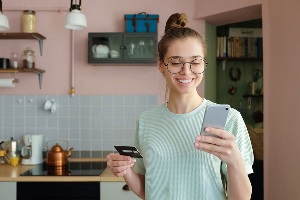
(176, 158)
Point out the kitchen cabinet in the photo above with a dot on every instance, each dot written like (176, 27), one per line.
(116, 191)
(26, 36)
(58, 190)
(122, 47)
(8, 190)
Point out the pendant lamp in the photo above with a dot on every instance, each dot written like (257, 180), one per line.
(4, 25)
(75, 19)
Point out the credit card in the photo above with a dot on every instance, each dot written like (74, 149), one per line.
(128, 151)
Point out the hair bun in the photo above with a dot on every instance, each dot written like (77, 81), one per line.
(176, 20)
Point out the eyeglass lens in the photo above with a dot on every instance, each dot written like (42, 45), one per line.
(197, 66)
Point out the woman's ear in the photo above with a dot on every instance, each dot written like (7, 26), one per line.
(161, 66)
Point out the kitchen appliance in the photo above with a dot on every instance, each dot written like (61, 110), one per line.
(71, 169)
(57, 153)
(11, 147)
(32, 151)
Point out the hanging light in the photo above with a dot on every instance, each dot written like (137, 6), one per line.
(4, 25)
(75, 19)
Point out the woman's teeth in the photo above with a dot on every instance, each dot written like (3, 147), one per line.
(185, 81)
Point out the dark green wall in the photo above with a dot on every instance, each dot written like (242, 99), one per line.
(237, 101)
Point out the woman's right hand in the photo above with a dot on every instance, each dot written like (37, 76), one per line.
(118, 164)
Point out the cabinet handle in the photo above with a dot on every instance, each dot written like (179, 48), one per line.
(125, 187)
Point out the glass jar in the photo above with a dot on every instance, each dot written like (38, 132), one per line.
(14, 60)
(28, 21)
(29, 58)
(3, 158)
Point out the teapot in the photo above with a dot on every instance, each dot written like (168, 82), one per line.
(57, 156)
(100, 51)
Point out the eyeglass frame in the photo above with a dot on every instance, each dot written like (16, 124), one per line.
(183, 63)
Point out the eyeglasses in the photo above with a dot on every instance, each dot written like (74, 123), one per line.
(176, 65)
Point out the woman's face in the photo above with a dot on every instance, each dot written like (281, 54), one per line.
(182, 50)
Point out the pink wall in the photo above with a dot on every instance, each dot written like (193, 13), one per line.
(102, 16)
(281, 87)
(282, 110)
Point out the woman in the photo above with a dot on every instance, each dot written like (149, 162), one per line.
(179, 163)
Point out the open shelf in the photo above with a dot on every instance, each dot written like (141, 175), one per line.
(255, 95)
(239, 59)
(32, 70)
(37, 71)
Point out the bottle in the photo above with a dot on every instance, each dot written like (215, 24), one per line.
(29, 58)
(28, 21)
(14, 60)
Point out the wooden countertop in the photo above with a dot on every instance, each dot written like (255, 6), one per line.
(10, 173)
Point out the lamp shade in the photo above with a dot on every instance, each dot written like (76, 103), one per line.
(75, 20)
(4, 25)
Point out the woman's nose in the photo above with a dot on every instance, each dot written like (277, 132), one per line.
(186, 68)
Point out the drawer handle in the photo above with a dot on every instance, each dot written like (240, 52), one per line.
(125, 187)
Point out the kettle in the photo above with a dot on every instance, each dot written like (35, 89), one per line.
(57, 156)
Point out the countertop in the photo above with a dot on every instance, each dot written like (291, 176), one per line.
(10, 173)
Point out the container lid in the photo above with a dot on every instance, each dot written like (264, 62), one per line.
(28, 51)
(29, 11)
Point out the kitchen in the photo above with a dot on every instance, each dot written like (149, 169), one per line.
(137, 83)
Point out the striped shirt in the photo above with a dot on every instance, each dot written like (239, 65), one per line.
(173, 168)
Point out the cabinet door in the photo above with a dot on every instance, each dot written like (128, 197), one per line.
(140, 47)
(105, 47)
(115, 191)
(8, 190)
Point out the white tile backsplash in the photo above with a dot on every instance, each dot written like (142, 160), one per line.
(88, 122)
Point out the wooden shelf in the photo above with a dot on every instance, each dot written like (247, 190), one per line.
(33, 70)
(240, 59)
(255, 96)
(37, 71)
(24, 36)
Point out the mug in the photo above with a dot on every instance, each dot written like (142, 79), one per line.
(48, 105)
(26, 152)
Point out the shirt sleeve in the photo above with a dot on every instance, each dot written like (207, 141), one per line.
(139, 166)
(237, 127)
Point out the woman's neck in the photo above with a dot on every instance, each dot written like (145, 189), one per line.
(184, 103)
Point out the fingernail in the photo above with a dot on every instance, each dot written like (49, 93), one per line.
(134, 160)
(207, 129)
(197, 144)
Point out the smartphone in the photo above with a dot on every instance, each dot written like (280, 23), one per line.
(215, 116)
(128, 151)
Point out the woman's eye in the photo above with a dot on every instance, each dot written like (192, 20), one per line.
(196, 64)
(176, 64)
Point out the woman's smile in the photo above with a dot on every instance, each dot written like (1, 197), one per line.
(185, 81)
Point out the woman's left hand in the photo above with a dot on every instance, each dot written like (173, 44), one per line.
(224, 146)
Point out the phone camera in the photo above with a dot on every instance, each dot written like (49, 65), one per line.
(226, 108)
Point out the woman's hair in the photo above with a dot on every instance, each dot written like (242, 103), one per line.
(176, 29)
